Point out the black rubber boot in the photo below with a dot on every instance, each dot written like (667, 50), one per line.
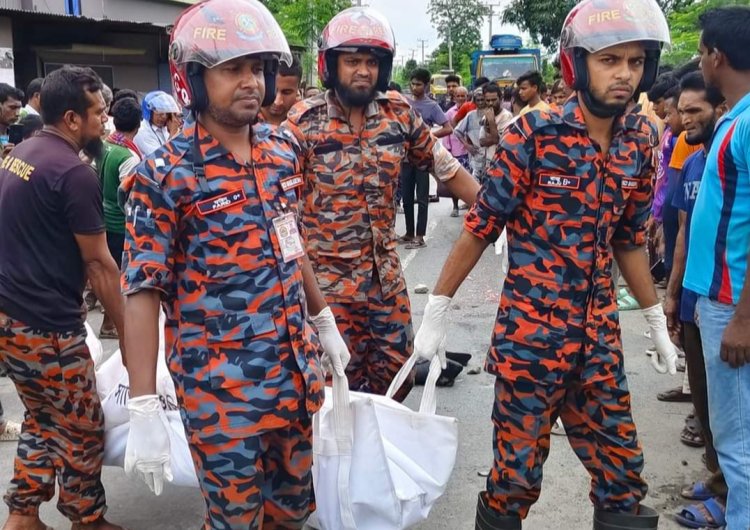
(647, 518)
(489, 520)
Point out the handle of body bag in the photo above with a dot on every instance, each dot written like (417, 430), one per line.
(428, 405)
(344, 432)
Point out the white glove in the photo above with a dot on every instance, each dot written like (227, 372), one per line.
(147, 452)
(335, 352)
(430, 339)
(665, 358)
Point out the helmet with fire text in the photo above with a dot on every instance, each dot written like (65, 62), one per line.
(357, 29)
(213, 32)
(594, 25)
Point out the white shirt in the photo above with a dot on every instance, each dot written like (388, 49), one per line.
(150, 138)
(28, 109)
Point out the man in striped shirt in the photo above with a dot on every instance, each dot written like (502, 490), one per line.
(718, 253)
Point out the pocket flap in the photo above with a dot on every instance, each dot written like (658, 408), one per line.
(238, 326)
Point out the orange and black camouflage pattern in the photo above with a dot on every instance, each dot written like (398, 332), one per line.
(599, 428)
(380, 338)
(243, 357)
(557, 335)
(262, 481)
(563, 202)
(350, 184)
(62, 434)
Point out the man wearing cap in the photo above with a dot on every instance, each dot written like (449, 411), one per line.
(354, 138)
(160, 121)
(213, 237)
(568, 184)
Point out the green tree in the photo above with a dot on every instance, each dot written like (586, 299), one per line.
(303, 21)
(461, 22)
(683, 25)
(543, 19)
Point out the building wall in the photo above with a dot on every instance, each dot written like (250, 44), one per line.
(6, 33)
(154, 11)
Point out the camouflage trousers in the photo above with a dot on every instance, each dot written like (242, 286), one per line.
(599, 428)
(257, 482)
(62, 435)
(379, 335)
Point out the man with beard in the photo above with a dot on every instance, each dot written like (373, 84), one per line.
(353, 139)
(53, 238)
(495, 118)
(213, 234)
(699, 107)
(567, 185)
(287, 93)
(718, 253)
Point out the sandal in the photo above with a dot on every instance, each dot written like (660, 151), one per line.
(676, 395)
(698, 491)
(692, 433)
(11, 432)
(109, 333)
(416, 243)
(707, 514)
(405, 239)
(692, 438)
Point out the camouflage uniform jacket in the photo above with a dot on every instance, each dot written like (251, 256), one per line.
(350, 184)
(564, 203)
(238, 343)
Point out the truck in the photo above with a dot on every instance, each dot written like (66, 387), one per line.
(437, 83)
(506, 61)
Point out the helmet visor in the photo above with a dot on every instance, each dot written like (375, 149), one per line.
(217, 31)
(596, 24)
(358, 27)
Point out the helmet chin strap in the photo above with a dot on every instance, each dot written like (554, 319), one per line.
(598, 108)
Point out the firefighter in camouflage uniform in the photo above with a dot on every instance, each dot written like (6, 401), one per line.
(213, 234)
(568, 185)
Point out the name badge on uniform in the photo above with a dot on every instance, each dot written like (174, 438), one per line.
(295, 181)
(221, 202)
(560, 181)
(287, 233)
(629, 184)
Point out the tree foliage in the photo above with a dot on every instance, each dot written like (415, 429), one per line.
(461, 20)
(303, 20)
(543, 19)
(683, 25)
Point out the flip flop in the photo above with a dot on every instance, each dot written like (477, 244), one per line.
(693, 517)
(697, 492)
(419, 243)
(675, 395)
(692, 438)
(108, 334)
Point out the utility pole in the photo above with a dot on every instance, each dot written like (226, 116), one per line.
(450, 49)
(423, 41)
(491, 13)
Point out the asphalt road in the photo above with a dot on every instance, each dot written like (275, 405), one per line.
(564, 501)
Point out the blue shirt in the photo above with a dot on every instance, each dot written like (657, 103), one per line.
(430, 111)
(717, 259)
(684, 199)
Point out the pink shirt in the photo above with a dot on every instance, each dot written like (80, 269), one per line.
(450, 142)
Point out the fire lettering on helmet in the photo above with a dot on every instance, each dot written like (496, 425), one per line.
(209, 33)
(358, 30)
(604, 16)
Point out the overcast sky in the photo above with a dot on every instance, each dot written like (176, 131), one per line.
(411, 22)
